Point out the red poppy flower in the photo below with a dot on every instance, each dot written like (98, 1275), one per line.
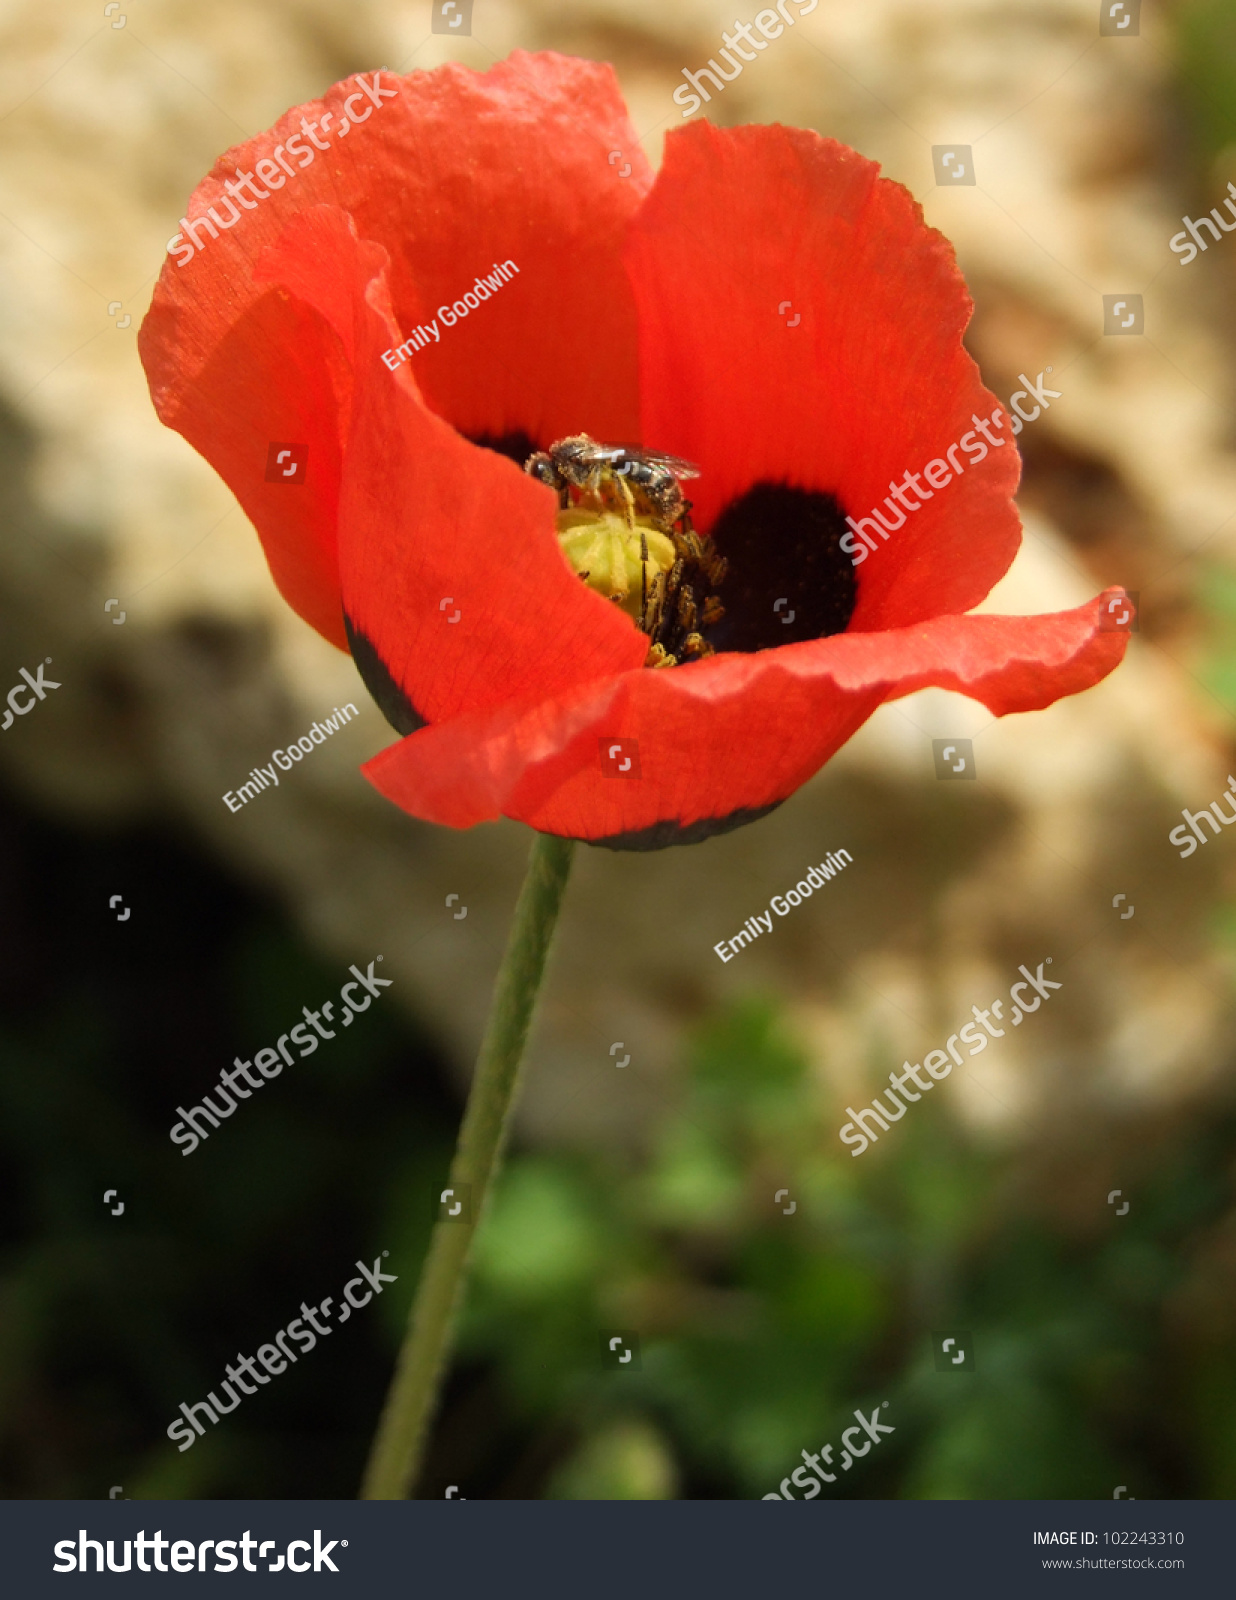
(469, 267)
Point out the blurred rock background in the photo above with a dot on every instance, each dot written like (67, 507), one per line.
(1087, 152)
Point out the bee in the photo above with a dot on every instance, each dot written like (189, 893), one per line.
(626, 472)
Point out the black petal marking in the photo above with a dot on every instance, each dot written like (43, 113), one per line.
(389, 698)
(517, 446)
(782, 544)
(660, 835)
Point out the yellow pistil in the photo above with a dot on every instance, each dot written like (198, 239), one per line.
(616, 555)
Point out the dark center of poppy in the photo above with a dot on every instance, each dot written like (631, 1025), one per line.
(516, 447)
(773, 571)
(788, 578)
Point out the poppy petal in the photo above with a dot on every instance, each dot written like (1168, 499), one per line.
(453, 171)
(558, 765)
(271, 386)
(801, 325)
(453, 583)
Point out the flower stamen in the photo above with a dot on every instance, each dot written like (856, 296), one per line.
(622, 515)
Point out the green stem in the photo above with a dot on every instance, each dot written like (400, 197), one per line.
(403, 1429)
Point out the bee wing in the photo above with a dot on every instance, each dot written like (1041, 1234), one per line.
(656, 458)
(606, 452)
(674, 464)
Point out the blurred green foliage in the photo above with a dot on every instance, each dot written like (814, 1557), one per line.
(1206, 45)
(762, 1332)
(1104, 1346)
(1216, 595)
